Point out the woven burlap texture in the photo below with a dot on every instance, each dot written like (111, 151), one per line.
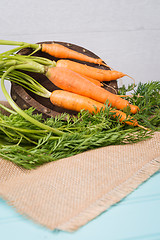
(70, 192)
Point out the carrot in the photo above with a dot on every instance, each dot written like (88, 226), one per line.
(75, 102)
(54, 49)
(98, 83)
(95, 73)
(60, 51)
(69, 80)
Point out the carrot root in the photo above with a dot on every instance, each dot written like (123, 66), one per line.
(131, 96)
(92, 72)
(105, 65)
(59, 51)
(134, 83)
(96, 82)
(71, 81)
(147, 129)
(76, 102)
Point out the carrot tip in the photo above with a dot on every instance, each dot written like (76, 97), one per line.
(132, 79)
(147, 129)
(138, 96)
(104, 64)
(126, 96)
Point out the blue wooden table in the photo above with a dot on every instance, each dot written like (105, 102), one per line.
(135, 217)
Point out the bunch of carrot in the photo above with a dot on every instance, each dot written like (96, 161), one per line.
(80, 83)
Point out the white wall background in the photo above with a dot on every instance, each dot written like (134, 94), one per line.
(124, 33)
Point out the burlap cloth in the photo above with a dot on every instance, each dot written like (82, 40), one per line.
(68, 193)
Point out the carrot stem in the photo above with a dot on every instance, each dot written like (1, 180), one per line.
(7, 109)
(16, 43)
(21, 46)
(20, 111)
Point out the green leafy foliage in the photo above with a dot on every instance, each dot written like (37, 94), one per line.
(30, 146)
(147, 97)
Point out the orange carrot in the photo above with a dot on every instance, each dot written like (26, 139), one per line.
(75, 102)
(60, 51)
(92, 72)
(69, 80)
(98, 83)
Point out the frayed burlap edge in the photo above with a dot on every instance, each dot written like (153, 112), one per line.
(105, 202)
(114, 196)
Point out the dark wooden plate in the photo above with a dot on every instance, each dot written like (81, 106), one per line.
(25, 99)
